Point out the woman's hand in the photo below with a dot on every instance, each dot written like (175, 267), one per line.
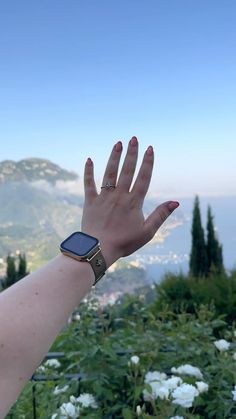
(115, 216)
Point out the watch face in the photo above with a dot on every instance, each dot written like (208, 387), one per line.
(79, 243)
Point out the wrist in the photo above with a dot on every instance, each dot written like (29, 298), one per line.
(109, 254)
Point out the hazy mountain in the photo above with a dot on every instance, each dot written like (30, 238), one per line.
(32, 169)
(35, 215)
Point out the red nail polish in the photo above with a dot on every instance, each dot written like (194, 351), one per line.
(150, 150)
(89, 161)
(118, 146)
(173, 205)
(134, 141)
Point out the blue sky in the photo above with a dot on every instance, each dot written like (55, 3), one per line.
(78, 75)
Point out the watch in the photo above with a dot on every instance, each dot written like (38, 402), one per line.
(85, 248)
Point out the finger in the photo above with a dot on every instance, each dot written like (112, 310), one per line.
(89, 183)
(129, 165)
(111, 171)
(143, 179)
(158, 216)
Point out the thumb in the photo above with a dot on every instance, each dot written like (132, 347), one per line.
(158, 216)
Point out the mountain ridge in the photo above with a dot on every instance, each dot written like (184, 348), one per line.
(33, 168)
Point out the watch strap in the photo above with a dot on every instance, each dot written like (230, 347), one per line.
(98, 264)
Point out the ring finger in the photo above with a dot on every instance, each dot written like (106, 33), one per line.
(110, 175)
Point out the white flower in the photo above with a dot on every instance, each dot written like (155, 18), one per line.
(234, 356)
(73, 399)
(58, 390)
(87, 400)
(77, 317)
(52, 363)
(162, 392)
(54, 416)
(173, 382)
(134, 359)
(201, 386)
(222, 345)
(184, 395)
(158, 389)
(177, 417)
(155, 376)
(234, 394)
(41, 368)
(68, 410)
(138, 410)
(187, 369)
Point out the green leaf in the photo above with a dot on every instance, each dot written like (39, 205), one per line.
(127, 413)
(138, 391)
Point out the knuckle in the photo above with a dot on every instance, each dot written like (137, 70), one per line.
(111, 175)
(89, 182)
(128, 170)
(144, 176)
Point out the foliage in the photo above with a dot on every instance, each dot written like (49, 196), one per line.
(102, 344)
(181, 292)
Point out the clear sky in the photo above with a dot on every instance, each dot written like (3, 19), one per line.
(77, 75)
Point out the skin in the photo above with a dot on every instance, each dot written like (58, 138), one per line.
(35, 309)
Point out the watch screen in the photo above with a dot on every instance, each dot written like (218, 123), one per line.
(79, 243)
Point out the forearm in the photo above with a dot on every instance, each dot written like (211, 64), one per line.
(33, 312)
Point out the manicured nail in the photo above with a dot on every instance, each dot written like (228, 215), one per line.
(134, 141)
(118, 146)
(173, 205)
(89, 161)
(150, 150)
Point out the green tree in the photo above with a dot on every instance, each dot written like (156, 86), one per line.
(22, 267)
(198, 257)
(11, 275)
(214, 249)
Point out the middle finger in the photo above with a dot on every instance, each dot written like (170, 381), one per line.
(129, 165)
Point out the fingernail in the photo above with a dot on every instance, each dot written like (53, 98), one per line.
(89, 161)
(150, 150)
(173, 205)
(118, 146)
(134, 141)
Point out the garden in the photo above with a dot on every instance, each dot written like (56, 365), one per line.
(142, 358)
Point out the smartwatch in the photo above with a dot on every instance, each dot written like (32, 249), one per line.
(85, 248)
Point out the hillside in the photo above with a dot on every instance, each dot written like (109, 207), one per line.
(32, 218)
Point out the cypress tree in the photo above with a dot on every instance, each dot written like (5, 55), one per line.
(22, 267)
(198, 257)
(214, 249)
(11, 275)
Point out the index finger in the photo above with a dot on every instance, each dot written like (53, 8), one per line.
(89, 183)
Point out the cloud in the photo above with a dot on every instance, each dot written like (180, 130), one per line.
(73, 187)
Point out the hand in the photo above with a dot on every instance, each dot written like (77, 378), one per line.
(115, 215)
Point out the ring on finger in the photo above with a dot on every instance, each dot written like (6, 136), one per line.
(108, 185)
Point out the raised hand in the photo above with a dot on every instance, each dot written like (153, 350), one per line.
(115, 215)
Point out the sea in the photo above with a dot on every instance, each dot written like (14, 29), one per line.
(172, 255)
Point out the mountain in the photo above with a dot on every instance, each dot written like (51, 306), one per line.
(32, 169)
(35, 215)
